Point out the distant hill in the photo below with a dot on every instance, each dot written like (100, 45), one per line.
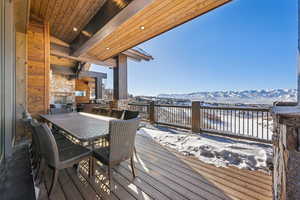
(246, 96)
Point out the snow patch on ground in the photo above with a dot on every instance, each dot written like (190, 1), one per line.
(216, 150)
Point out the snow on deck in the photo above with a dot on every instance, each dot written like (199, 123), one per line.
(216, 150)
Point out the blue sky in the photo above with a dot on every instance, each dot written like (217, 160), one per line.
(246, 44)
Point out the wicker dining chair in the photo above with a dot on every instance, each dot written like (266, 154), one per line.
(54, 157)
(62, 142)
(129, 114)
(35, 147)
(121, 145)
(116, 113)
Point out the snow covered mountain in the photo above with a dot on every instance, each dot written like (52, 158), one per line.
(246, 96)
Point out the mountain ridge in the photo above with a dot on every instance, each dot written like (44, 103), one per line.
(266, 96)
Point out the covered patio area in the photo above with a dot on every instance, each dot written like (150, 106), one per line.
(46, 41)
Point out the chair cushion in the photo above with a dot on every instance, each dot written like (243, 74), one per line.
(63, 143)
(102, 154)
(73, 153)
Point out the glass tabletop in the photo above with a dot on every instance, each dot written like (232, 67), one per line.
(82, 126)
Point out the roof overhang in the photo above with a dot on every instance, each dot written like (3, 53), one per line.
(97, 32)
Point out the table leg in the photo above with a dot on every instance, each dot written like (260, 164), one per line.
(92, 164)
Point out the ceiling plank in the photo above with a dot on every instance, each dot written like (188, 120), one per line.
(64, 15)
(157, 18)
(133, 8)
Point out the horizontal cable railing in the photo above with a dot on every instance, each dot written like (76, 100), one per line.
(179, 116)
(246, 122)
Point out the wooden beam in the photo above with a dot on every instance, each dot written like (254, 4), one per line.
(93, 74)
(56, 69)
(120, 78)
(61, 61)
(132, 56)
(62, 51)
(133, 8)
(140, 54)
(59, 42)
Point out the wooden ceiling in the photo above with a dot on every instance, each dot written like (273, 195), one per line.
(134, 22)
(156, 18)
(64, 15)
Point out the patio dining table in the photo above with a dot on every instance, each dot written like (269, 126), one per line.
(85, 127)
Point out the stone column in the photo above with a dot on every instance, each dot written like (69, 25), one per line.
(286, 158)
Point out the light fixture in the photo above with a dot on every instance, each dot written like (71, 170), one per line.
(75, 29)
(107, 48)
(142, 27)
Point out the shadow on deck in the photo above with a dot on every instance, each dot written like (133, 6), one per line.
(163, 174)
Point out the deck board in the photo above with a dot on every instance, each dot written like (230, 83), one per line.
(162, 173)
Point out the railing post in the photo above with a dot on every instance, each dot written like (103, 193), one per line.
(196, 116)
(286, 157)
(151, 112)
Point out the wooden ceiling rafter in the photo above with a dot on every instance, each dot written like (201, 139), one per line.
(64, 48)
(108, 11)
(61, 51)
(130, 10)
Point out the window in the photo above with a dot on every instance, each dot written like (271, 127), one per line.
(80, 93)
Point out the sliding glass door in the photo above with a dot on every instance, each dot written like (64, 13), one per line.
(1, 79)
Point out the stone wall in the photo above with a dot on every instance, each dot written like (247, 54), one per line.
(286, 160)
(62, 87)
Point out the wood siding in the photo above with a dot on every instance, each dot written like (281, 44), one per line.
(82, 85)
(38, 67)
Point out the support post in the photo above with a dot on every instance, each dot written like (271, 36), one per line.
(120, 78)
(98, 88)
(151, 111)
(196, 116)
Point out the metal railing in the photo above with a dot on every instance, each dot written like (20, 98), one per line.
(245, 122)
(179, 116)
(248, 122)
(143, 109)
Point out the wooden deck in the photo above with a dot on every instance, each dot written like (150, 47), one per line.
(164, 174)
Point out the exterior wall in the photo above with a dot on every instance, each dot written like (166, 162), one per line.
(82, 85)
(38, 68)
(61, 86)
(21, 71)
(286, 160)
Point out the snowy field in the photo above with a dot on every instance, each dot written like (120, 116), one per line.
(216, 150)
